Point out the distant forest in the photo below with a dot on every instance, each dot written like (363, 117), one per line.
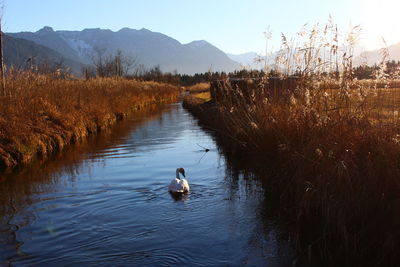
(125, 67)
(121, 66)
(391, 69)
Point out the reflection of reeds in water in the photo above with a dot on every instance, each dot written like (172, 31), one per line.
(40, 113)
(40, 176)
(333, 142)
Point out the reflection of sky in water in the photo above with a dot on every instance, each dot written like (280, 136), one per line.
(111, 206)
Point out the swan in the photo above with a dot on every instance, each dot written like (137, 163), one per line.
(179, 185)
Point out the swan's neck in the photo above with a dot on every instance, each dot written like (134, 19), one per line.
(177, 174)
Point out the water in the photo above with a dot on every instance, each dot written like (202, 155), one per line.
(105, 202)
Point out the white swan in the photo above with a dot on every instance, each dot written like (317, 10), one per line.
(179, 185)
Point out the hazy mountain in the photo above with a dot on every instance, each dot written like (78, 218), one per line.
(150, 48)
(18, 53)
(49, 38)
(247, 60)
(375, 56)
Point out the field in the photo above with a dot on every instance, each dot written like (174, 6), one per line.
(41, 114)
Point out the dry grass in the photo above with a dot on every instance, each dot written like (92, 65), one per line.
(41, 114)
(336, 165)
(205, 96)
(335, 150)
(198, 88)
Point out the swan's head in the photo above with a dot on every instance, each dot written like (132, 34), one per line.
(180, 170)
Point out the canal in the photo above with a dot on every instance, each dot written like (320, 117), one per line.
(105, 202)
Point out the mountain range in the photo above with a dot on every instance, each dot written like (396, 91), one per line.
(375, 56)
(147, 47)
(249, 60)
(80, 48)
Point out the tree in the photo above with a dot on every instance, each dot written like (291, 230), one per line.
(113, 65)
(98, 61)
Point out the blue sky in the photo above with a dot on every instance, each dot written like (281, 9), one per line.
(235, 26)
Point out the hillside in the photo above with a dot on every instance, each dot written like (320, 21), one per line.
(149, 48)
(19, 52)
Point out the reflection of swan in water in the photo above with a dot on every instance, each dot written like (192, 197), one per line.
(179, 197)
(178, 185)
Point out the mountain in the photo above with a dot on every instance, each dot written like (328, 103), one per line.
(375, 56)
(149, 48)
(18, 52)
(49, 38)
(247, 60)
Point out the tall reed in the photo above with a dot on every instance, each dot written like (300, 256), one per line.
(335, 150)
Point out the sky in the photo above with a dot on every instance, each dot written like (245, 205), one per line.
(234, 26)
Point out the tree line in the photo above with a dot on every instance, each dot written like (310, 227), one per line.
(120, 65)
(390, 68)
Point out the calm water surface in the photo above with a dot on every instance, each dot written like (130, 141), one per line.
(105, 202)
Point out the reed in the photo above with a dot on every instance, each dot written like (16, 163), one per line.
(331, 143)
(40, 114)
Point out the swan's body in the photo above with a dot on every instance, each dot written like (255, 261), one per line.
(179, 185)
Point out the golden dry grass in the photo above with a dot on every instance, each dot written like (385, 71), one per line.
(40, 114)
(198, 88)
(205, 96)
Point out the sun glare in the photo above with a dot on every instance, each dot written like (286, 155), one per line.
(380, 20)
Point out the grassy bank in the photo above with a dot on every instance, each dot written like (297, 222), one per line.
(198, 88)
(41, 114)
(333, 164)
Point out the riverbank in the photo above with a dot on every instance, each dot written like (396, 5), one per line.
(332, 173)
(41, 114)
